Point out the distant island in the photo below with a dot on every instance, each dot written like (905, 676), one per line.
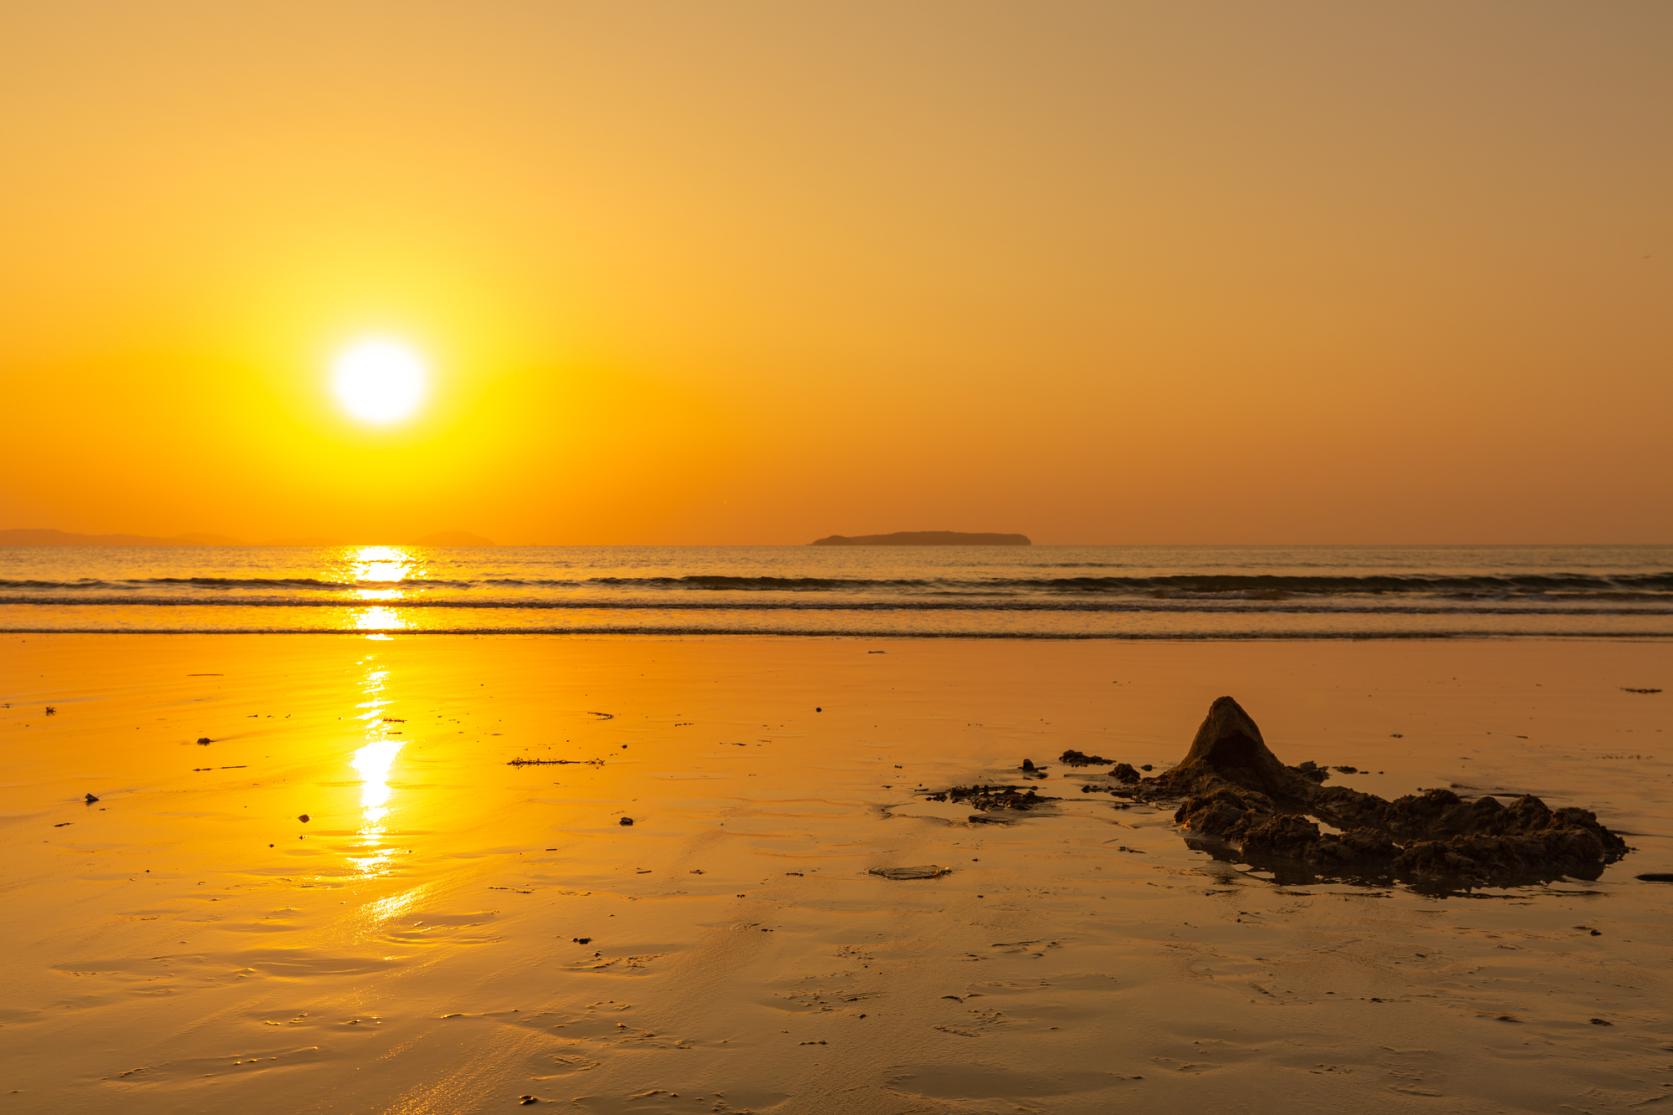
(926, 538)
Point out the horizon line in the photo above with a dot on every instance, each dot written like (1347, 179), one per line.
(173, 541)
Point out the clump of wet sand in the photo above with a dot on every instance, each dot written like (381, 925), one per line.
(1232, 789)
(1240, 801)
(989, 797)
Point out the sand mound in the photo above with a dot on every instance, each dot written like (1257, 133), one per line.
(1233, 790)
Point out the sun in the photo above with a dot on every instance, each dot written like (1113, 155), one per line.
(379, 380)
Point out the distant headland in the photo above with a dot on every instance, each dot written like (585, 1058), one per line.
(926, 538)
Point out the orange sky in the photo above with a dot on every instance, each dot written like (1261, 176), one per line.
(1115, 272)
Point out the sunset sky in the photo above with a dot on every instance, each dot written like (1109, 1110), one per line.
(736, 273)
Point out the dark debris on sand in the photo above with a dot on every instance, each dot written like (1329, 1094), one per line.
(1233, 791)
(992, 796)
(927, 871)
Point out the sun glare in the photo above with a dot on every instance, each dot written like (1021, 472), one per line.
(379, 381)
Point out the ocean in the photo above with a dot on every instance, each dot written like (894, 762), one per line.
(1101, 592)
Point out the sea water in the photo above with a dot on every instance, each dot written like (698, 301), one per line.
(1110, 592)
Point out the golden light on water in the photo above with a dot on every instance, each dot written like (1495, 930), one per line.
(380, 563)
(381, 569)
(378, 621)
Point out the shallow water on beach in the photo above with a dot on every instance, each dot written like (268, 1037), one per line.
(314, 880)
(1004, 592)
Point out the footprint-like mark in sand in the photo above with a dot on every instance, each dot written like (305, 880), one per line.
(433, 929)
(301, 963)
(243, 1064)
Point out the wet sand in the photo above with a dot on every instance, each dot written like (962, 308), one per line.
(447, 932)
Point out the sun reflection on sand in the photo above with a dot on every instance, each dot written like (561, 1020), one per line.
(385, 567)
(373, 762)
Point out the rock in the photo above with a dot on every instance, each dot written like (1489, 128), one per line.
(1028, 765)
(928, 871)
(89, 798)
(1074, 758)
(1124, 772)
(1228, 748)
(303, 818)
(625, 821)
(204, 741)
(1233, 791)
(1312, 771)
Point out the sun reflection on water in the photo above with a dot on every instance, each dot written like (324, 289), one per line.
(382, 564)
(378, 621)
(380, 572)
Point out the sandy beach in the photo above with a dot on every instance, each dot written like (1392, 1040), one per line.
(348, 900)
